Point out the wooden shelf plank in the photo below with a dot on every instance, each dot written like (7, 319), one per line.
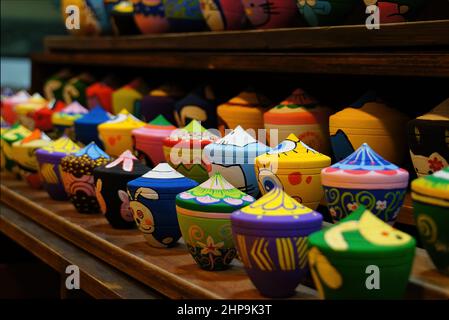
(411, 34)
(97, 278)
(419, 64)
(171, 272)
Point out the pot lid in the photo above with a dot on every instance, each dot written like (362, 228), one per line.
(126, 163)
(62, 145)
(194, 131)
(238, 146)
(92, 151)
(19, 97)
(364, 167)
(368, 113)
(85, 160)
(277, 210)
(293, 153)
(35, 102)
(362, 235)
(435, 186)
(96, 115)
(74, 108)
(123, 120)
(36, 139)
(215, 195)
(439, 113)
(15, 132)
(298, 108)
(164, 179)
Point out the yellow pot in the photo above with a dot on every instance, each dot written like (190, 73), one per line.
(129, 97)
(116, 133)
(25, 111)
(16, 133)
(294, 167)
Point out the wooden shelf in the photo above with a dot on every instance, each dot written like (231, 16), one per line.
(172, 272)
(395, 35)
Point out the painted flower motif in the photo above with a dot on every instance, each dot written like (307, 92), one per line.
(435, 164)
(248, 198)
(207, 199)
(233, 202)
(333, 212)
(352, 206)
(381, 205)
(211, 247)
(186, 196)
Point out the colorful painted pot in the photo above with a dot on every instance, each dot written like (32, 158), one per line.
(303, 116)
(428, 137)
(223, 14)
(75, 89)
(53, 87)
(122, 19)
(369, 120)
(365, 178)
(269, 14)
(149, 140)
(24, 153)
(8, 106)
(245, 110)
(204, 214)
(184, 15)
(42, 117)
(161, 101)
(198, 105)
(110, 187)
(152, 203)
(325, 12)
(116, 133)
(294, 167)
(431, 210)
(149, 16)
(361, 257)
(394, 11)
(271, 239)
(15, 133)
(77, 176)
(183, 150)
(86, 127)
(49, 158)
(129, 97)
(25, 110)
(233, 156)
(100, 93)
(64, 120)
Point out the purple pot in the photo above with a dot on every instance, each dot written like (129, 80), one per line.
(271, 238)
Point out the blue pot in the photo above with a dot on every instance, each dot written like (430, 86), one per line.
(86, 127)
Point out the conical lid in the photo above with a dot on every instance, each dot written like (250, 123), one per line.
(433, 189)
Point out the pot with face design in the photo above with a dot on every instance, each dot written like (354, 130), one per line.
(431, 210)
(223, 14)
(152, 203)
(341, 256)
(110, 188)
(204, 218)
(271, 238)
(294, 167)
(24, 153)
(428, 137)
(393, 11)
(268, 14)
(233, 156)
(325, 12)
(365, 178)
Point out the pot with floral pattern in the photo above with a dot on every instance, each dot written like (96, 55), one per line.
(13, 134)
(294, 167)
(204, 218)
(110, 188)
(361, 257)
(271, 239)
(77, 176)
(430, 196)
(365, 178)
(49, 158)
(24, 153)
(152, 203)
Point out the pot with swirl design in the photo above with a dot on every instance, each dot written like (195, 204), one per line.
(431, 210)
(364, 178)
(204, 218)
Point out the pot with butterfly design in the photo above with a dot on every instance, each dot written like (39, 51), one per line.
(77, 176)
(110, 188)
(294, 167)
(365, 178)
(342, 257)
(152, 203)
